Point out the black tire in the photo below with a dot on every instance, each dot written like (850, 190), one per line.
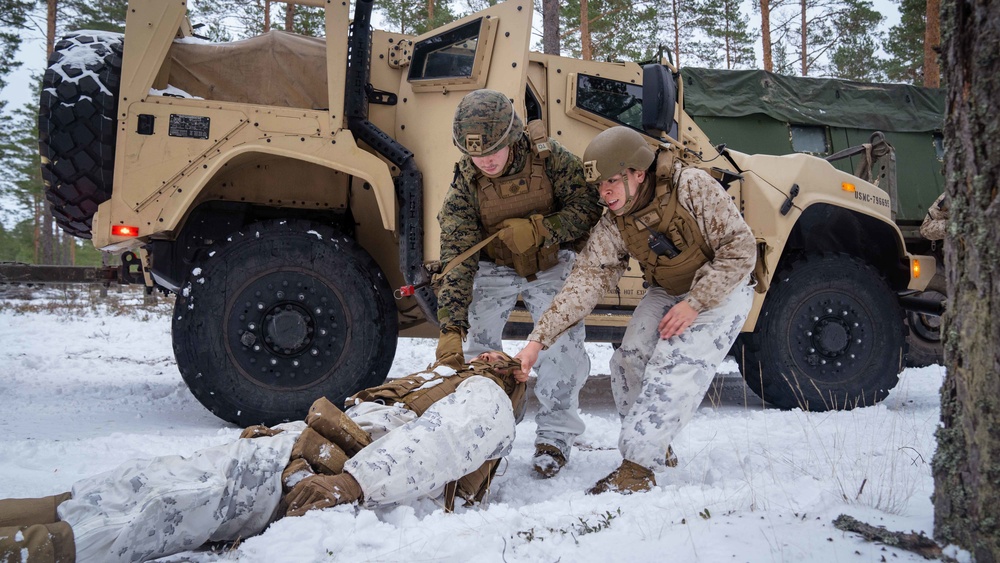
(924, 339)
(278, 315)
(830, 336)
(77, 126)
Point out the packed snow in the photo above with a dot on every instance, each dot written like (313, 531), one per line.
(87, 386)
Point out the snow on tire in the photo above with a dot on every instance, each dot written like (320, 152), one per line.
(77, 126)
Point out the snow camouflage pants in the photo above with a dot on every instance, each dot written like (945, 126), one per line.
(658, 384)
(150, 508)
(156, 507)
(455, 436)
(562, 369)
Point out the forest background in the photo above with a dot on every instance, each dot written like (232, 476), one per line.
(863, 40)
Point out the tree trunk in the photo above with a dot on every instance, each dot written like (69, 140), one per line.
(46, 235)
(550, 27)
(805, 57)
(267, 16)
(50, 27)
(932, 41)
(729, 64)
(290, 18)
(677, 32)
(584, 31)
(966, 466)
(36, 214)
(765, 34)
(430, 14)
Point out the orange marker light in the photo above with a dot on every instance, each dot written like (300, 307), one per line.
(916, 268)
(847, 186)
(124, 231)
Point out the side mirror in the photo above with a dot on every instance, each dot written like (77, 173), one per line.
(659, 97)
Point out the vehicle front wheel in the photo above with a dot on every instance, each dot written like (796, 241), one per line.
(278, 315)
(830, 336)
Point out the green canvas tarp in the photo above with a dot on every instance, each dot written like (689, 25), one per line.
(813, 101)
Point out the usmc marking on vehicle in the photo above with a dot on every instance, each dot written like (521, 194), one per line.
(871, 198)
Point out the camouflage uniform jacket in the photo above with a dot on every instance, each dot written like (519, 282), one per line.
(936, 222)
(461, 228)
(602, 262)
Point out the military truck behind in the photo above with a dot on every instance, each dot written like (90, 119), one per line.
(759, 112)
(285, 187)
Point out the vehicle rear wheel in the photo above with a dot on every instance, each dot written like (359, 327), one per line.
(924, 339)
(77, 126)
(830, 336)
(278, 315)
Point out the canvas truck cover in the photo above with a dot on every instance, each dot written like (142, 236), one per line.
(813, 101)
(274, 69)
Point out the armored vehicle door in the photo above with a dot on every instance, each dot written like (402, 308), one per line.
(488, 49)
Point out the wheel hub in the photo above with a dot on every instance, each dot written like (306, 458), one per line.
(832, 335)
(287, 329)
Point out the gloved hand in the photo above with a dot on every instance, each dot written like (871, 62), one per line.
(449, 348)
(520, 235)
(321, 491)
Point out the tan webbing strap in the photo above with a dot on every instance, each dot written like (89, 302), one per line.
(450, 490)
(465, 255)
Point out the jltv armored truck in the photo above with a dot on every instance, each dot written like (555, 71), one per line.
(284, 186)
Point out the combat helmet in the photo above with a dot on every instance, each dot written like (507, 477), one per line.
(613, 151)
(485, 122)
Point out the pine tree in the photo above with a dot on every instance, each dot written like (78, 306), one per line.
(677, 20)
(21, 181)
(905, 43)
(13, 18)
(414, 17)
(857, 41)
(104, 15)
(616, 30)
(727, 38)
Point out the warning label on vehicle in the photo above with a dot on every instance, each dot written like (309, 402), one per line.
(190, 126)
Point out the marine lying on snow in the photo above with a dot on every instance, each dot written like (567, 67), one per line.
(395, 443)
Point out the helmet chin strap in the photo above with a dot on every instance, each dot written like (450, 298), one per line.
(629, 196)
(641, 196)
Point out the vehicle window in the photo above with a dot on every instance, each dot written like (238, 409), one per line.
(809, 138)
(531, 105)
(618, 101)
(449, 55)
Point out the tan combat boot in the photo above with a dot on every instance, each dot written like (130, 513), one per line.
(548, 460)
(323, 455)
(324, 417)
(629, 478)
(321, 491)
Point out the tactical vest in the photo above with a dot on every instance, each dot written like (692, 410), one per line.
(665, 215)
(519, 195)
(416, 395)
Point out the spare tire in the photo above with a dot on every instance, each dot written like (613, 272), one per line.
(77, 126)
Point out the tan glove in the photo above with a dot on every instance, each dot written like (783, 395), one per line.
(521, 235)
(449, 348)
(321, 491)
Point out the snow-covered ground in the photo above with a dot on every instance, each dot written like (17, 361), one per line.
(84, 388)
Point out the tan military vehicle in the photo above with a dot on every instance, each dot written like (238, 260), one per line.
(284, 187)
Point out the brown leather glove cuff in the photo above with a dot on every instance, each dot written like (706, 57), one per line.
(542, 232)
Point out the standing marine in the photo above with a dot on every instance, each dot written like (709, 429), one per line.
(522, 186)
(935, 223)
(696, 253)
